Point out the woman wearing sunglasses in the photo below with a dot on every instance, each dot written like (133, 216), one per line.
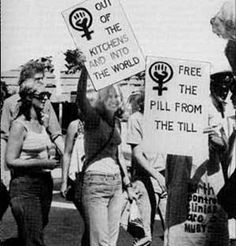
(28, 158)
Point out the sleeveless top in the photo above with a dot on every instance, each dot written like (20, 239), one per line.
(35, 145)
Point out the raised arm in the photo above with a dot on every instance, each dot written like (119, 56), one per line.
(89, 114)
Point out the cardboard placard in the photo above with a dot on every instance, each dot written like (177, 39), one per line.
(102, 32)
(175, 114)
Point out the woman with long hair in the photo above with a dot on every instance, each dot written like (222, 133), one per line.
(73, 160)
(28, 158)
(103, 167)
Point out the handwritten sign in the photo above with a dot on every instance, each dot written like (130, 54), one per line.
(101, 30)
(175, 111)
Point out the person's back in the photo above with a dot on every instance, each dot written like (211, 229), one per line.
(146, 168)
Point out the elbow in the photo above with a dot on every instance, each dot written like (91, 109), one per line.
(138, 157)
(10, 163)
(10, 160)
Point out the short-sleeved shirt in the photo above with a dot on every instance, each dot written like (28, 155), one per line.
(11, 108)
(135, 137)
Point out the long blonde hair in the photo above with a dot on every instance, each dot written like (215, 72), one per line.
(102, 96)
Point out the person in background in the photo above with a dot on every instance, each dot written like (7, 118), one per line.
(3, 93)
(232, 160)
(4, 196)
(227, 196)
(186, 175)
(75, 132)
(103, 166)
(230, 53)
(219, 88)
(30, 164)
(224, 25)
(147, 172)
(10, 109)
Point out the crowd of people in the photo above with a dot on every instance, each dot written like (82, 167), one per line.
(30, 118)
(102, 185)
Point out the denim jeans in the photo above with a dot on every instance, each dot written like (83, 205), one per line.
(31, 197)
(102, 203)
(147, 204)
(150, 200)
(78, 203)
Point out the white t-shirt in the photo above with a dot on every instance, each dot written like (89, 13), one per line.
(135, 136)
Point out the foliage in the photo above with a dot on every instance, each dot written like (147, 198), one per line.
(74, 59)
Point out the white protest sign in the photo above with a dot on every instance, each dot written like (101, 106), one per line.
(101, 30)
(175, 113)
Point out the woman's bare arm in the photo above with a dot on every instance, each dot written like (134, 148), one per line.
(14, 147)
(69, 142)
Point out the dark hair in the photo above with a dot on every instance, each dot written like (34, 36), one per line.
(219, 87)
(30, 69)
(230, 52)
(220, 84)
(232, 87)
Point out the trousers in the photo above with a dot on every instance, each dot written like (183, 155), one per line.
(149, 201)
(30, 200)
(102, 204)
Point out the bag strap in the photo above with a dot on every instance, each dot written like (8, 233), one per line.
(80, 127)
(87, 163)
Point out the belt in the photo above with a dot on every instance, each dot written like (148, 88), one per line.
(30, 173)
(104, 175)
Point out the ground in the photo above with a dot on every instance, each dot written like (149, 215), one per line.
(65, 227)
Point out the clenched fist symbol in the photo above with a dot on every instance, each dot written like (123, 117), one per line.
(161, 73)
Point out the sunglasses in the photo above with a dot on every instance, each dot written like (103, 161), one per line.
(42, 95)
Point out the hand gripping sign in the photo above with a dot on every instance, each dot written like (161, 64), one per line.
(175, 114)
(102, 32)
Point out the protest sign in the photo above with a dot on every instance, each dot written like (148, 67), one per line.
(175, 114)
(194, 216)
(102, 32)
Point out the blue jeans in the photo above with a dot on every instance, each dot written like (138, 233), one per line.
(149, 200)
(102, 203)
(31, 197)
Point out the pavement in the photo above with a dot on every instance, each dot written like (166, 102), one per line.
(65, 226)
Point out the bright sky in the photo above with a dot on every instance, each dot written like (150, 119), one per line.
(170, 28)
